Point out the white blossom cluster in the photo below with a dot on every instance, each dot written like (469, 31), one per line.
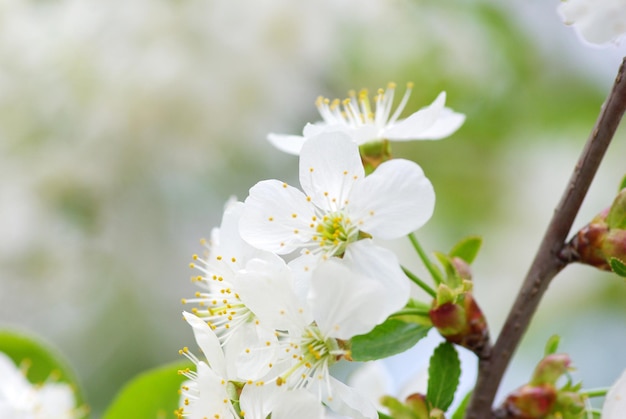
(20, 399)
(291, 276)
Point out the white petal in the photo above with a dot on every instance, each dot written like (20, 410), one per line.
(345, 400)
(276, 217)
(267, 290)
(447, 123)
(298, 404)
(208, 343)
(329, 165)
(597, 22)
(212, 393)
(250, 351)
(291, 144)
(615, 402)
(373, 381)
(258, 401)
(380, 264)
(344, 303)
(416, 123)
(393, 201)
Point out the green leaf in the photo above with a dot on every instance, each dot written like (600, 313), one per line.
(552, 345)
(389, 338)
(622, 184)
(443, 376)
(152, 394)
(42, 361)
(467, 249)
(616, 218)
(618, 267)
(460, 411)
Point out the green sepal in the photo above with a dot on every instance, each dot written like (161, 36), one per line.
(552, 345)
(414, 312)
(616, 218)
(618, 267)
(151, 394)
(42, 361)
(453, 280)
(459, 413)
(444, 372)
(391, 337)
(467, 249)
(622, 184)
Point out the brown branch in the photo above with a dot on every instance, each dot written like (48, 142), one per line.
(547, 262)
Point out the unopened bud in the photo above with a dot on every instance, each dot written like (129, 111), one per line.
(462, 268)
(418, 405)
(602, 239)
(570, 404)
(462, 323)
(550, 369)
(530, 402)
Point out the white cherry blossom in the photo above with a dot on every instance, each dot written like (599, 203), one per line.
(339, 306)
(339, 205)
(355, 117)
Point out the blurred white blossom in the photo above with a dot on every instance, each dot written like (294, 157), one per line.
(20, 399)
(597, 21)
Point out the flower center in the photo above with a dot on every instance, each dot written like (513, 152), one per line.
(334, 232)
(313, 354)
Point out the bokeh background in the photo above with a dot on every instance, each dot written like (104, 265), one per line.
(125, 127)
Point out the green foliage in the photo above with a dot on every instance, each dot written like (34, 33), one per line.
(618, 267)
(444, 372)
(152, 394)
(460, 411)
(467, 248)
(42, 361)
(622, 184)
(552, 345)
(389, 338)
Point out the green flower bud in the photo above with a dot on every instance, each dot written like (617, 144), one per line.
(462, 323)
(550, 369)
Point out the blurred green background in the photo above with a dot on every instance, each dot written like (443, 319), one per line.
(125, 126)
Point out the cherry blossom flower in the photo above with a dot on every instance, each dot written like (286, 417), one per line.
(339, 306)
(339, 206)
(212, 392)
(597, 21)
(19, 399)
(355, 117)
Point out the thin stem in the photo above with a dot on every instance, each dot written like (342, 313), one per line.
(411, 312)
(595, 392)
(423, 285)
(547, 262)
(434, 272)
